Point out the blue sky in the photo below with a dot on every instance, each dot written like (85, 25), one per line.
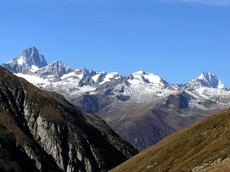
(175, 39)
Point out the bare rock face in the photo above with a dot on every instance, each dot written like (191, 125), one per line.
(25, 61)
(54, 71)
(43, 130)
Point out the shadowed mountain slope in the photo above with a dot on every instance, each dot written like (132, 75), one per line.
(205, 146)
(41, 131)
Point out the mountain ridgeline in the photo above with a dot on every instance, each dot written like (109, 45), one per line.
(41, 131)
(142, 107)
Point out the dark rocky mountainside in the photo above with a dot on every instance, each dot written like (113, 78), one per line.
(41, 131)
(204, 146)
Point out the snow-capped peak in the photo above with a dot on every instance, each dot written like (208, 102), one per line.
(142, 76)
(140, 72)
(206, 79)
(104, 77)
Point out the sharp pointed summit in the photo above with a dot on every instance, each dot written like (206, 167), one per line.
(206, 79)
(29, 59)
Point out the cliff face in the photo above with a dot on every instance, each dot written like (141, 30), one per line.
(41, 131)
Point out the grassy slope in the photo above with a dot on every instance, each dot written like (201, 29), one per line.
(203, 142)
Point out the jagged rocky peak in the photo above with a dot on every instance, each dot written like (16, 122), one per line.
(206, 79)
(29, 59)
(57, 68)
(84, 72)
(60, 66)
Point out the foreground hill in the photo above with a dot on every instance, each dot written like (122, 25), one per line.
(205, 146)
(41, 131)
(142, 107)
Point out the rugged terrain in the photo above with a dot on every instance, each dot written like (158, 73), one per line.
(204, 146)
(142, 107)
(41, 131)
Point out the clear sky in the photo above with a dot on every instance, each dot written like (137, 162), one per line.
(175, 39)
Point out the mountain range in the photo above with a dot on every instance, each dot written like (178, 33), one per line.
(142, 107)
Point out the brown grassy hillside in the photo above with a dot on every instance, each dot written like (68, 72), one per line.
(205, 146)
